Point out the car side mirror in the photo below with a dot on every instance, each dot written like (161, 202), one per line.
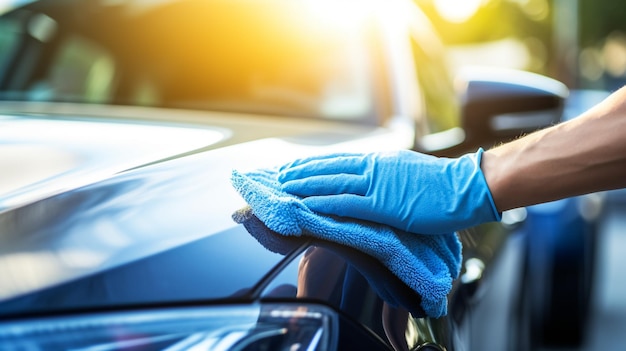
(498, 105)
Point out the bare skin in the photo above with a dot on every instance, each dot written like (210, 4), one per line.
(580, 156)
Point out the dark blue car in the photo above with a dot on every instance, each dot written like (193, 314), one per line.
(120, 124)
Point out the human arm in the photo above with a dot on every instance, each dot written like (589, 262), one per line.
(583, 155)
(426, 194)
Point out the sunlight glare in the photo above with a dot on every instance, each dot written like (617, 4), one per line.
(457, 10)
(349, 12)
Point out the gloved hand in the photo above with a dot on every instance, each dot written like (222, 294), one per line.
(404, 189)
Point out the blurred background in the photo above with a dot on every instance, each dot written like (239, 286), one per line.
(579, 42)
(582, 43)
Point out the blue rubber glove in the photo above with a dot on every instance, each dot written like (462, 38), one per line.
(404, 189)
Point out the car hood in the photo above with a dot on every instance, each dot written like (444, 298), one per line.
(131, 215)
(47, 148)
(41, 156)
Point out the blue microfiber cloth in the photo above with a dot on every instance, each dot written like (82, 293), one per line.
(387, 285)
(426, 263)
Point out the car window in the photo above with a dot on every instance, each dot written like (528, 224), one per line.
(9, 34)
(80, 71)
(441, 104)
(241, 56)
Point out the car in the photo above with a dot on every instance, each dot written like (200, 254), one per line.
(123, 120)
(560, 265)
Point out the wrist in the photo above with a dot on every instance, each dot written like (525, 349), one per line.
(490, 167)
(488, 208)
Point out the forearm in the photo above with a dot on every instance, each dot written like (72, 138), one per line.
(584, 155)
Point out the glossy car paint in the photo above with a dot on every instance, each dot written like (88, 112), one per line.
(162, 234)
(117, 226)
(156, 236)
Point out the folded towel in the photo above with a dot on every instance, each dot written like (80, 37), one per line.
(387, 285)
(426, 263)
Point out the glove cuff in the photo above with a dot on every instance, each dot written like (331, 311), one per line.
(488, 213)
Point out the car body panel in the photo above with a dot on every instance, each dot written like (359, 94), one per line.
(100, 225)
(75, 145)
(153, 237)
(50, 155)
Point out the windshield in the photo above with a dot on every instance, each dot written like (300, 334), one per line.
(278, 57)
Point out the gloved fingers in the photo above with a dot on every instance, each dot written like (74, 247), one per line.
(343, 205)
(350, 164)
(328, 185)
(322, 157)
